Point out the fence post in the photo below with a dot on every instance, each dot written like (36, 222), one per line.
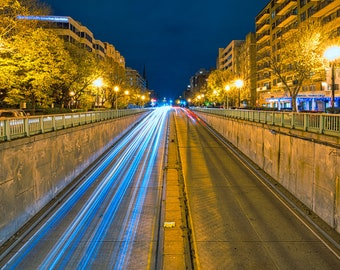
(27, 128)
(7, 132)
(305, 122)
(322, 124)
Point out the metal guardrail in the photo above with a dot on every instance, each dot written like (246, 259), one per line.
(14, 128)
(312, 122)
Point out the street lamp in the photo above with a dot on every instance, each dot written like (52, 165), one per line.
(142, 98)
(332, 54)
(71, 94)
(98, 83)
(227, 88)
(116, 89)
(239, 84)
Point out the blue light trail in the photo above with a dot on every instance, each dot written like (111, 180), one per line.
(124, 173)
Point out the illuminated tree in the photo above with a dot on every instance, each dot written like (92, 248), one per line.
(10, 25)
(217, 82)
(33, 65)
(298, 57)
(82, 71)
(115, 76)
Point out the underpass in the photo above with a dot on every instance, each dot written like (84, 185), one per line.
(110, 220)
(235, 221)
(238, 220)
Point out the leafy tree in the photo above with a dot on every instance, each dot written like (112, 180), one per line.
(114, 75)
(10, 25)
(216, 87)
(33, 65)
(299, 57)
(85, 70)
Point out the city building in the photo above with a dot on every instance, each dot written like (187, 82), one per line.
(76, 33)
(197, 82)
(247, 68)
(227, 57)
(135, 80)
(275, 20)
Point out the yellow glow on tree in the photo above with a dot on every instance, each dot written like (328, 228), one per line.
(33, 65)
(216, 84)
(299, 56)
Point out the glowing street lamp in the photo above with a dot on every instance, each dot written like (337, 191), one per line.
(98, 83)
(71, 94)
(227, 88)
(142, 98)
(239, 84)
(332, 54)
(116, 89)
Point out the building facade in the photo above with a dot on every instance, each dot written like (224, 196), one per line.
(135, 80)
(247, 68)
(275, 20)
(227, 57)
(76, 33)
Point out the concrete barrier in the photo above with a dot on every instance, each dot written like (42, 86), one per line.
(34, 170)
(306, 164)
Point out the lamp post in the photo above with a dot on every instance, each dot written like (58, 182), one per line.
(71, 94)
(126, 93)
(116, 89)
(227, 88)
(331, 54)
(239, 85)
(97, 83)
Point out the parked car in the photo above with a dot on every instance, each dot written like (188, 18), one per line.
(6, 113)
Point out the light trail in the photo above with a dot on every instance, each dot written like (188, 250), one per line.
(138, 149)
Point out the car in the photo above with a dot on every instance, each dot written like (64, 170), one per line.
(6, 113)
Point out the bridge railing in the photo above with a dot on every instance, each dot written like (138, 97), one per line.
(312, 122)
(14, 128)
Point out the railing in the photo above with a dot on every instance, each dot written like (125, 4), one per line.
(14, 128)
(317, 123)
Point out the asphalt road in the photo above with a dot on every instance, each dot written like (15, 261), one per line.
(110, 220)
(236, 222)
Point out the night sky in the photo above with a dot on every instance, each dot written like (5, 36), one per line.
(172, 38)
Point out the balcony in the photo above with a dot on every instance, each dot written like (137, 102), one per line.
(289, 4)
(263, 27)
(264, 67)
(324, 7)
(333, 17)
(263, 47)
(287, 19)
(289, 31)
(264, 15)
(262, 37)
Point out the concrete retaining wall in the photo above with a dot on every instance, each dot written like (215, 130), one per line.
(308, 165)
(34, 170)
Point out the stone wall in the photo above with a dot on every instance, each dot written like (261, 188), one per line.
(306, 164)
(34, 170)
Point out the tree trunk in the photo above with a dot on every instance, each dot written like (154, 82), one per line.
(294, 105)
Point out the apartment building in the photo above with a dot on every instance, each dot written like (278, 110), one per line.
(78, 34)
(247, 68)
(276, 19)
(240, 58)
(199, 80)
(227, 57)
(135, 80)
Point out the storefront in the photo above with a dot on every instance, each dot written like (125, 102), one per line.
(316, 103)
